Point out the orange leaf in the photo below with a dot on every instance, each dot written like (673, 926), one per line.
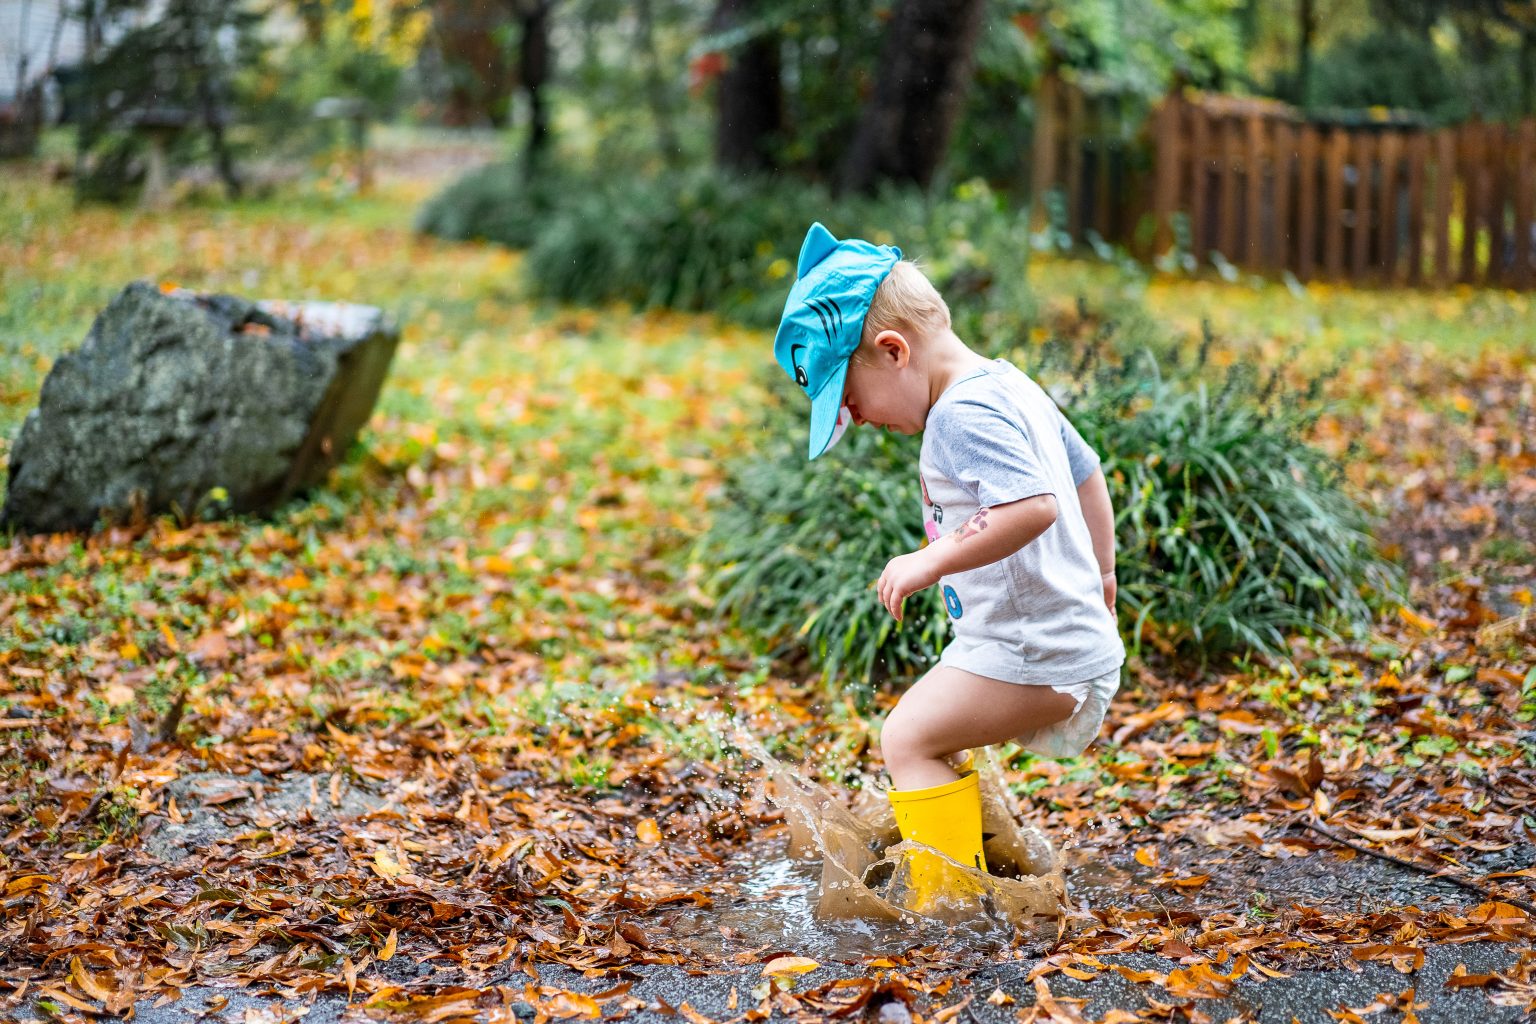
(572, 1004)
(1405, 959)
(1199, 981)
(1385, 835)
(648, 832)
(1147, 855)
(1461, 979)
(88, 982)
(790, 965)
(389, 945)
(385, 865)
(1496, 913)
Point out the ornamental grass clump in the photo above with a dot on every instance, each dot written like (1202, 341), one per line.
(795, 546)
(1233, 532)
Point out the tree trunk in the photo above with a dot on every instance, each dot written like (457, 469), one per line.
(656, 85)
(1528, 71)
(207, 67)
(749, 102)
(533, 70)
(86, 128)
(925, 66)
(468, 34)
(1307, 24)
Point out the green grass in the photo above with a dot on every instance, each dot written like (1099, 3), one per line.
(527, 490)
(526, 487)
(1318, 321)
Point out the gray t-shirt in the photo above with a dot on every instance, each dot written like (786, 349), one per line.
(1038, 615)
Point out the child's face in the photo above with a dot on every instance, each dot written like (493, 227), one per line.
(885, 387)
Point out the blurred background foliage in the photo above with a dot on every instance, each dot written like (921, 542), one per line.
(671, 153)
(778, 86)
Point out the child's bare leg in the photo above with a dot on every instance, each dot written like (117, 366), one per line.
(950, 710)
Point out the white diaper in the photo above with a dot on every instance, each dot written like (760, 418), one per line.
(1071, 736)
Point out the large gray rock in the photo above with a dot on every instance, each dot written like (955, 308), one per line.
(173, 395)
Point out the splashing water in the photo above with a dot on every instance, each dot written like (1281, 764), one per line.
(846, 866)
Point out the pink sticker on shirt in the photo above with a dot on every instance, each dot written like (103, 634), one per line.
(931, 528)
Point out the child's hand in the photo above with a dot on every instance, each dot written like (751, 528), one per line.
(1110, 587)
(905, 575)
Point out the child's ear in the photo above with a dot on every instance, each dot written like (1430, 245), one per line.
(894, 346)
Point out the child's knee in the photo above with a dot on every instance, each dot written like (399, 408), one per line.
(901, 738)
(894, 745)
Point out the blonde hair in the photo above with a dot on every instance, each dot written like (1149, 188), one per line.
(906, 301)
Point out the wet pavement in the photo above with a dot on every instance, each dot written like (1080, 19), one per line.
(1306, 996)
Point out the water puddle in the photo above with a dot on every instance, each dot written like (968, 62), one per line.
(837, 885)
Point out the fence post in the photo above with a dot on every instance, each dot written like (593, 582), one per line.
(1363, 155)
(1283, 144)
(1470, 156)
(1306, 201)
(1199, 178)
(1445, 177)
(1496, 158)
(1525, 186)
(1101, 149)
(1418, 154)
(1075, 163)
(1165, 191)
(1043, 158)
(1387, 205)
(1333, 203)
(1231, 156)
(1253, 175)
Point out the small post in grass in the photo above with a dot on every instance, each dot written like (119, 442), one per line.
(354, 111)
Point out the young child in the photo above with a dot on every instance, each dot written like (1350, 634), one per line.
(1019, 525)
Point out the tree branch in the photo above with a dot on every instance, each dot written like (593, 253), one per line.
(1449, 876)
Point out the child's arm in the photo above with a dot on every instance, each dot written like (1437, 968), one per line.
(1093, 495)
(990, 535)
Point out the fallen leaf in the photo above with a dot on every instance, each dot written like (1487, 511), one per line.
(385, 865)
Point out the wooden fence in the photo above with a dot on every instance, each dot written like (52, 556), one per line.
(1382, 201)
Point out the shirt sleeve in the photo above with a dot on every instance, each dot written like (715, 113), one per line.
(987, 455)
(1080, 455)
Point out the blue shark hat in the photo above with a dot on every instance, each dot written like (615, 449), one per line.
(823, 318)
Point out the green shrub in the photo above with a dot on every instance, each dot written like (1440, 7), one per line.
(496, 203)
(698, 240)
(694, 240)
(1385, 68)
(1232, 532)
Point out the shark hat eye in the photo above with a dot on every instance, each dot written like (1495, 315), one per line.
(800, 377)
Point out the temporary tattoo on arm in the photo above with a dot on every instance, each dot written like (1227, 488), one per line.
(975, 525)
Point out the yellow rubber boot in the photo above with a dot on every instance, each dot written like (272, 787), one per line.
(963, 764)
(947, 818)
